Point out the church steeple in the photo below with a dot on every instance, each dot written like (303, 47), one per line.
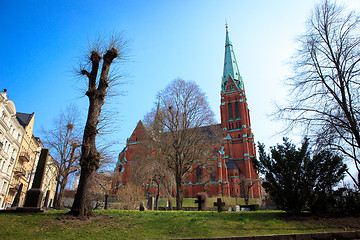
(158, 127)
(231, 68)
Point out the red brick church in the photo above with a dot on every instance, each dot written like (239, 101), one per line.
(235, 150)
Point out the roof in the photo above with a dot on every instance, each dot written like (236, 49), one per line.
(24, 118)
(213, 131)
(230, 65)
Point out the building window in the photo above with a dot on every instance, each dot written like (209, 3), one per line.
(8, 168)
(230, 111)
(198, 174)
(212, 174)
(237, 109)
(28, 176)
(4, 186)
(2, 165)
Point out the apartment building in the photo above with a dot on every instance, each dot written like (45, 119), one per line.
(11, 135)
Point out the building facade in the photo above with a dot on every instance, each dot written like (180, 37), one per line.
(27, 160)
(49, 182)
(19, 155)
(26, 165)
(11, 135)
(232, 171)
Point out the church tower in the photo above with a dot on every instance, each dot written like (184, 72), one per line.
(238, 143)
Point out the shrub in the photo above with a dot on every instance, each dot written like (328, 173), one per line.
(130, 197)
(203, 196)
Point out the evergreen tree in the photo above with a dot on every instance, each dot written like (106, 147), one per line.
(295, 179)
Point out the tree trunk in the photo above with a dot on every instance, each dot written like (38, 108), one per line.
(56, 196)
(179, 192)
(82, 201)
(106, 201)
(170, 203)
(59, 204)
(157, 196)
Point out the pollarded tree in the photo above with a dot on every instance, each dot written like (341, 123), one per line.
(63, 140)
(97, 73)
(325, 86)
(183, 140)
(294, 178)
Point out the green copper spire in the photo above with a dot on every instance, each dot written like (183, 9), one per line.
(230, 66)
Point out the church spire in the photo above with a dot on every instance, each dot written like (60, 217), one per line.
(230, 66)
(157, 121)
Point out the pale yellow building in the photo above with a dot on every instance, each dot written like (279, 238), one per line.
(26, 164)
(49, 182)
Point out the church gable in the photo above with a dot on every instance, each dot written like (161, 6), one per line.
(231, 86)
(139, 134)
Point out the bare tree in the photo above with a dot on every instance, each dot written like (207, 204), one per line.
(97, 73)
(149, 170)
(325, 85)
(63, 140)
(182, 139)
(245, 187)
(102, 185)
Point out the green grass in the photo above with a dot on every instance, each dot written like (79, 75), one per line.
(120, 224)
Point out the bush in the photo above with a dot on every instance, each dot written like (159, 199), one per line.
(130, 197)
(345, 201)
(203, 196)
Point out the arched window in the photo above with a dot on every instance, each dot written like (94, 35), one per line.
(212, 174)
(230, 111)
(198, 174)
(237, 113)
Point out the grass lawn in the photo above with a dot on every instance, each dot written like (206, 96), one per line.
(121, 224)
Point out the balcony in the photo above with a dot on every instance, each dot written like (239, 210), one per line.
(19, 172)
(14, 188)
(24, 157)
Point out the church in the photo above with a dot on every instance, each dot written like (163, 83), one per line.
(233, 171)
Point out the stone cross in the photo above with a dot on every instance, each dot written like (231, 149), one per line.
(200, 203)
(219, 204)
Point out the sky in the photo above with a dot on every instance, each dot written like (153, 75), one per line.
(44, 40)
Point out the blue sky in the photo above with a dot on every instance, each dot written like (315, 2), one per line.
(43, 40)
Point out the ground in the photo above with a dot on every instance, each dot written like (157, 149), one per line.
(117, 224)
